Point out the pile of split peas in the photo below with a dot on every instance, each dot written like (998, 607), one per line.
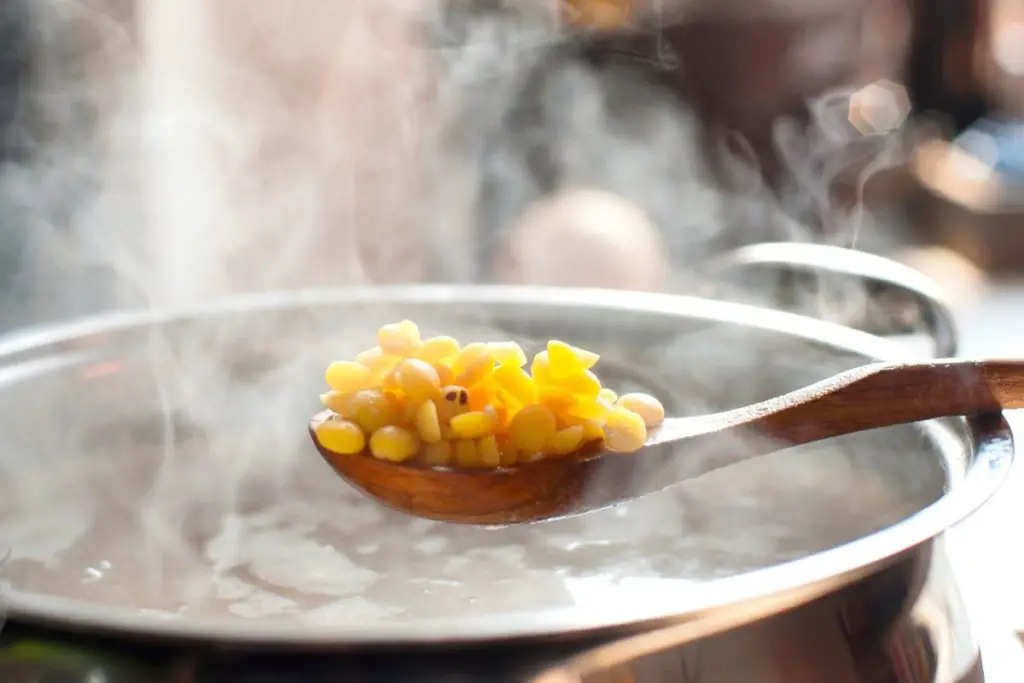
(441, 403)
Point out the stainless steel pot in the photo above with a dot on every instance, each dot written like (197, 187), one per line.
(905, 623)
(155, 479)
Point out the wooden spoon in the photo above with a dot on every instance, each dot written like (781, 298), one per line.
(871, 396)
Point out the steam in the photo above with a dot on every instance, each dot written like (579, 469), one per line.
(219, 149)
(5, 553)
(820, 160)
(313, 144)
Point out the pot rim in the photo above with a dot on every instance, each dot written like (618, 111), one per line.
(767, 590)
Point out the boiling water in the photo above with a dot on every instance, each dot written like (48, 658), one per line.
(238, 517)
(329, 554)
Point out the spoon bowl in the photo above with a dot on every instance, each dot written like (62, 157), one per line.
(543, 489)
(683, 448)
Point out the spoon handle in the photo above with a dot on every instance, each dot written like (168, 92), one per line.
(871, 396)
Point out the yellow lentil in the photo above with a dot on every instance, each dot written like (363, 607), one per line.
(469, 354)
(508, 404)
(339, 403)
(465, 454)
(556, 399)
(593, 430)
(596, 409)
(437, 454)
(445, 374)
(531, 428)
(487, 451)
(624, 431)
(507, 354)
(568, 360)
(608, 395)
(564, 441)
(438, 349)
(501, 414)
(583, 385)
(394, 444)
(375, 356)
(483, 394)
(389, 383)
(379, 363)
(644, 405)
(399, 339)
(371, 409)
(418, 379)
(341, 436)
(540, 370)
(344, 376)
(427, 424)
(507, 453)
(405, 407)
(517, 383)
(474, 424)
(476, 372)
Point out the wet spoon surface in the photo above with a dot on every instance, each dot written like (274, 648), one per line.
(682, 448)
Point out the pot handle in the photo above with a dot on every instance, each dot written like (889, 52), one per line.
(893, 298)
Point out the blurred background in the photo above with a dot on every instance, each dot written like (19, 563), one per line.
(163, 152)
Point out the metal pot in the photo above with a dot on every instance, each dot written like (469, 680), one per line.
(156, 482)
